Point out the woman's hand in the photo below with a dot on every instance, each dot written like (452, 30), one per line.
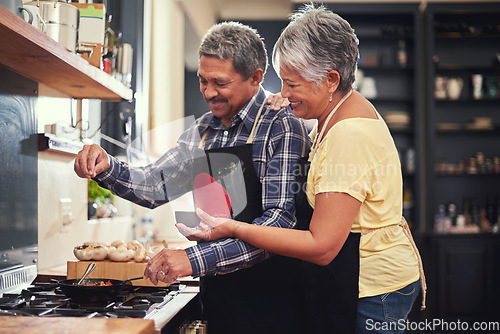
(210, 228)
(277, 101)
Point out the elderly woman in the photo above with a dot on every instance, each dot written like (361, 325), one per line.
(361, 267)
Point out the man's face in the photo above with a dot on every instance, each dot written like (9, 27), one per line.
(223, 88)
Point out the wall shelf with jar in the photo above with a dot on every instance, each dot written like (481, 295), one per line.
(455, 67)
(390, 72)
(31, 53)
(463, 83)
(476, 165)
(463, 66)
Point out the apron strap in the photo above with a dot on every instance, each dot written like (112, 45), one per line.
(318, 138)
(250, 137)
(407, 232)
(202, 141)
(423, 283)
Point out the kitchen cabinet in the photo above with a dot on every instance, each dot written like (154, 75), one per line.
(463, 278)
(29, 52)
(390, 42)
(463, 113)
(462, 275)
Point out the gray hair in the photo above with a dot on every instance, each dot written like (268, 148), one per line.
(315, 42)
(236, 41)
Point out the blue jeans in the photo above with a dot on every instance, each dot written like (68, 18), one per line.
(387, 313)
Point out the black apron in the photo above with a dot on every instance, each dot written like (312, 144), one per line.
(331, 292)
(265, 298)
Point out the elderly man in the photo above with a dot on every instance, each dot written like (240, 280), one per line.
(243, 289)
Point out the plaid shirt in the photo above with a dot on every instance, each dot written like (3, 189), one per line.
(279, 140)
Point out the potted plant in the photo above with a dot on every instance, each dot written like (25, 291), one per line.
(100, 201)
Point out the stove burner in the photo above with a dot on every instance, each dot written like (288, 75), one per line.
(47, 300)
(11, 303)
(42, 287)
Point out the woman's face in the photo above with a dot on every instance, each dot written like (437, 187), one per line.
(306, 101)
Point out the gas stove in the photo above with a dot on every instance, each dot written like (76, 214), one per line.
(160, 304)
(47, 300)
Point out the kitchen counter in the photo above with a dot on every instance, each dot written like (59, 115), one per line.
(59, 272)
(32, 325)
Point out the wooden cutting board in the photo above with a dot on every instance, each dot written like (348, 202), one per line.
(34, 325)
(108, 269)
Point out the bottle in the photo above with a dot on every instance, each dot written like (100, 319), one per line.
(484, 222)
(410, 161)
(475, 212)
(452, 214)
(489, 166)
(466, 207)
(496, 165)
(147, 227)
(481, 162)
(490, 210)
(497, 205)
(402, 57)
(112, 42)
(460, 220)
(472, 168)
(440, 220)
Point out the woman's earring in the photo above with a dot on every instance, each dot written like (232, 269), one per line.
(331, 97)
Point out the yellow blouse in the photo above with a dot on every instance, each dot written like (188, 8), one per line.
(358, 157)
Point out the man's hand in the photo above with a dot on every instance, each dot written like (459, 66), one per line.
(167, 266)
(277, 101)
(91, 160)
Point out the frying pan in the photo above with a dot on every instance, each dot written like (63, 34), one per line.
(87, 294)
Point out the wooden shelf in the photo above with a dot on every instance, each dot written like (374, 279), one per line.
(461, 132)
(46, 141)
(377, 36)
(461, 35)
(401, 131)
(465, 68)
(486, 176)
(29, 52)
(381, 68)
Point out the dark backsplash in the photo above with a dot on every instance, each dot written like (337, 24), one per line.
(18, 165)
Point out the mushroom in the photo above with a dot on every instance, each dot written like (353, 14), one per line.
(83, 252)
(117, 243)
(100, 253)
(120, 253)
(140, 253)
